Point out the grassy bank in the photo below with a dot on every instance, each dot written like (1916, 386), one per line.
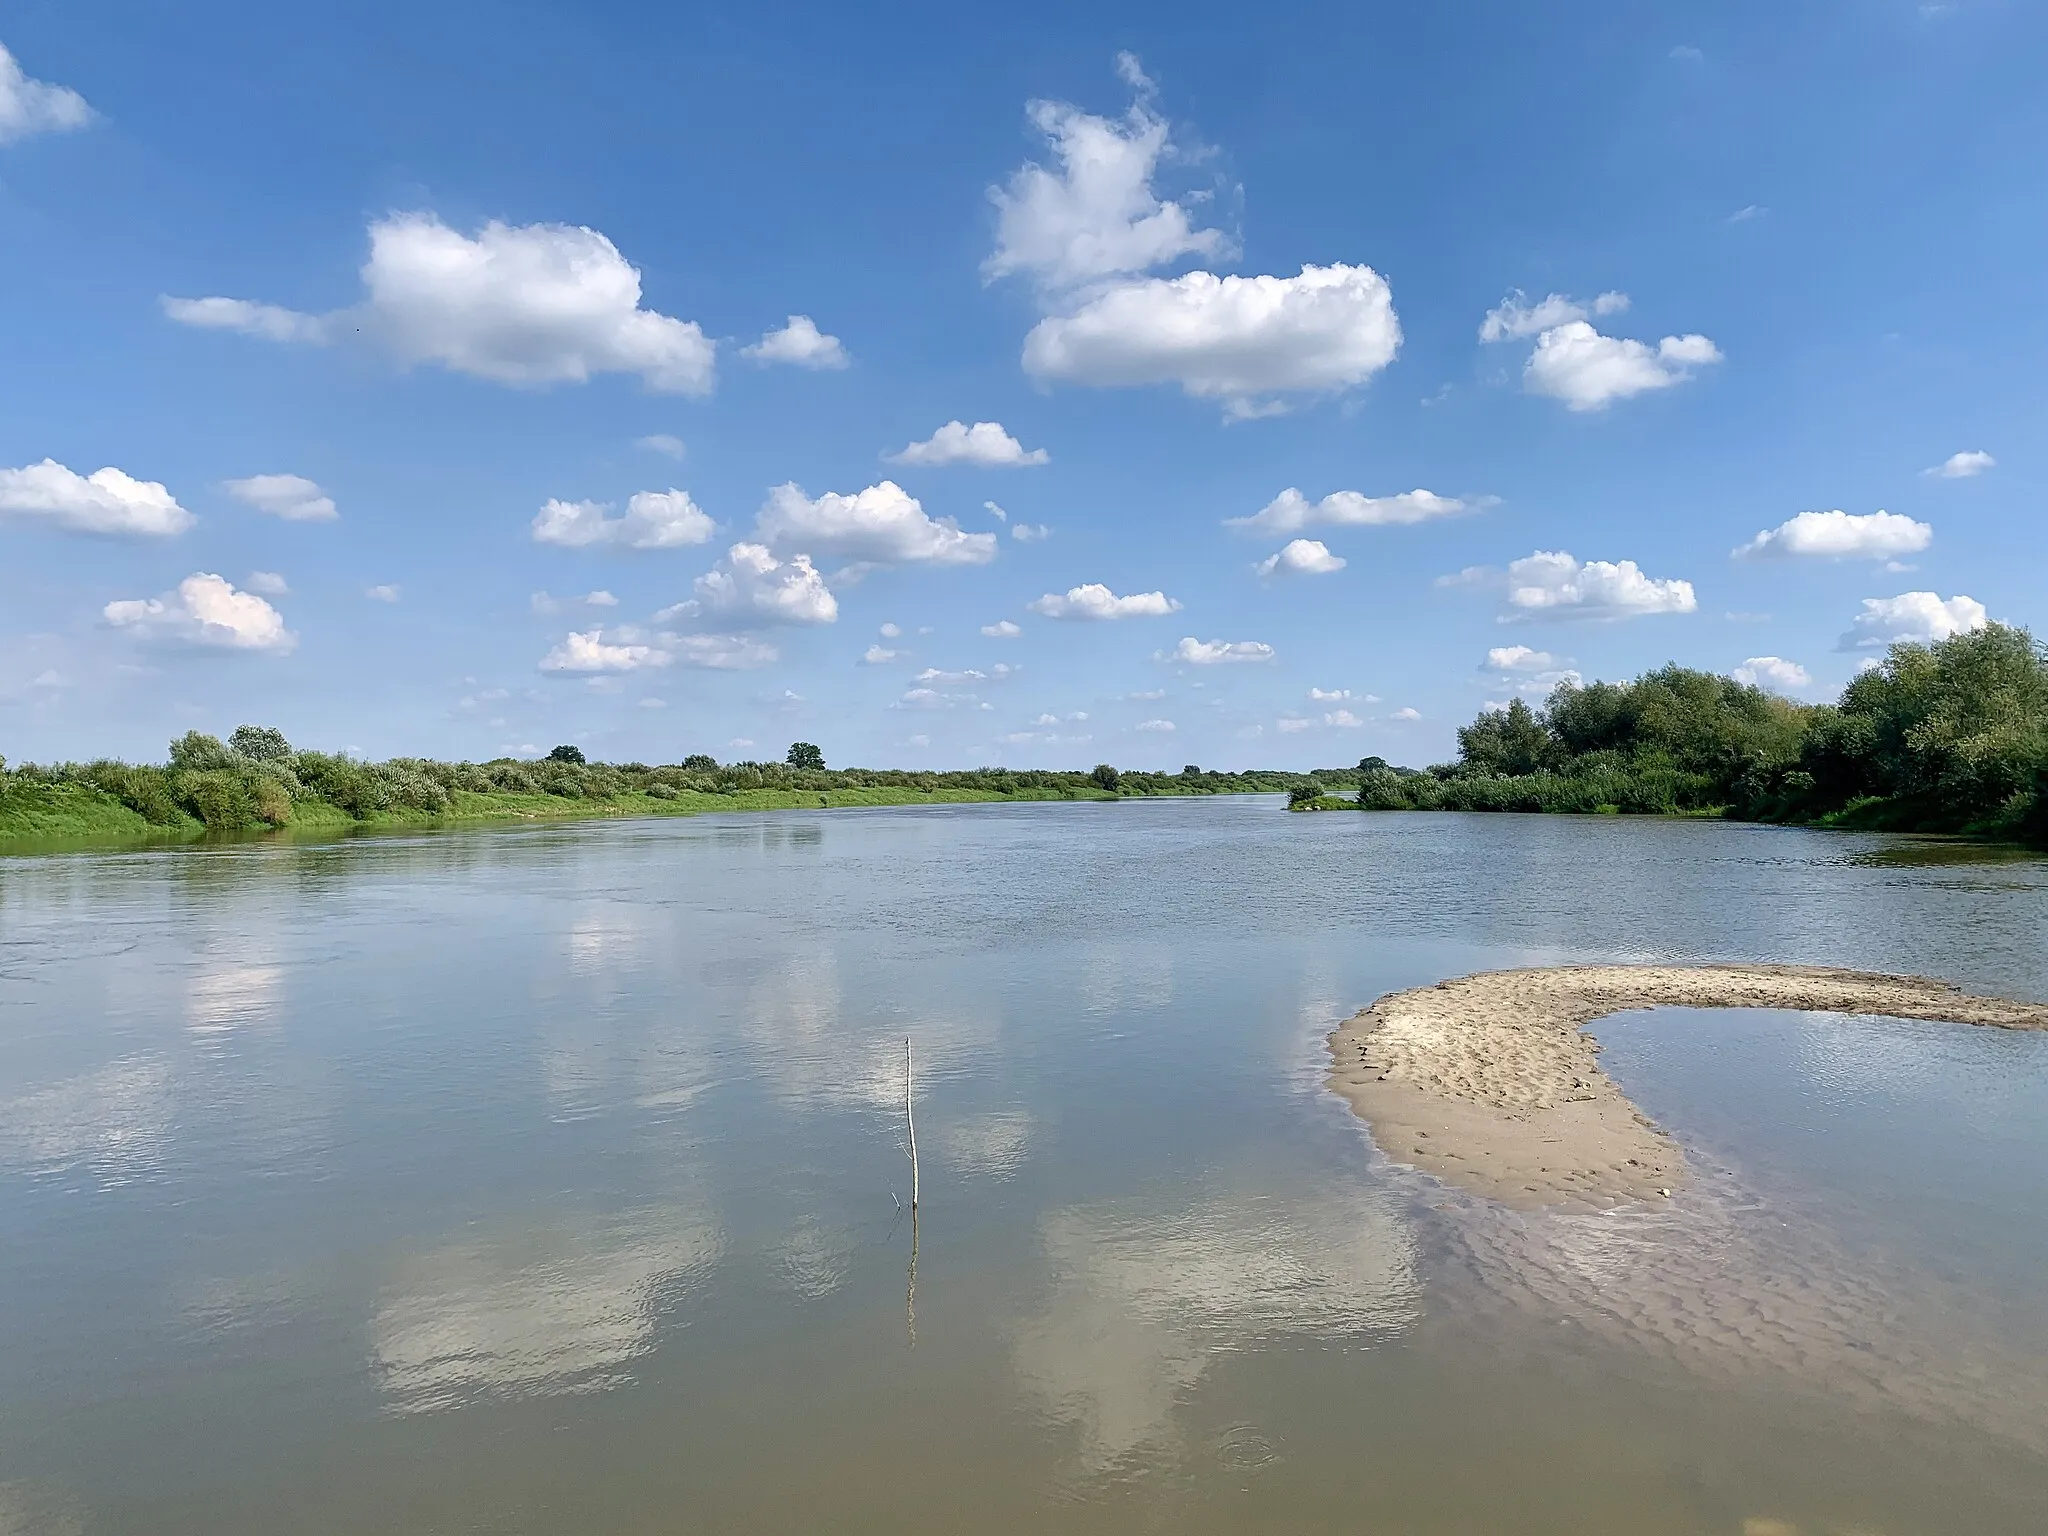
(256, 781)
(1948, 738)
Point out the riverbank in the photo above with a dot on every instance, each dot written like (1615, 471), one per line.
(1491, 1082)
(71, 817)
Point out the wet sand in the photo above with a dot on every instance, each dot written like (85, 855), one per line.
(1491, 1082)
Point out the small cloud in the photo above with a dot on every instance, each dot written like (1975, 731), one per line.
(653, 703)
(1146, 695)
(1553, 584)
(1002, 629)
(1921, 617)
(1290, 725)
(1213, 653)
(652, 520)
(1030, 533)
(741, 742)
(1291, 511)
(269, 583)
(666, 443)
(1519, 658)
(1772, 672)
(29, 106)
(1688, 53)
(1515, 317)
(995, 512)
(880, 655)
(291, 497)
(1839, 535)
(985, 444)
(204, 610)
(1406, 713)
(105, 501)
(1744, 215)
(801, 344)
(548, 604)
(1093, 600)
(1156, 725)
(1962, 466)
(1342, 719)
(890, 631)
(386, 593)
(1300, 557)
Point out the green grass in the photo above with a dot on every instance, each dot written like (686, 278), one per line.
(45, 817)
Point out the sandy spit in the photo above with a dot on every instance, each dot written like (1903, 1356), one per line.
(1492, 1083)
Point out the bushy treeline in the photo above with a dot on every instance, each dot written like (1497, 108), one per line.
(1949, 737)
(256, 778)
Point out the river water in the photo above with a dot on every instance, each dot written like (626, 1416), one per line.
(547, 1180)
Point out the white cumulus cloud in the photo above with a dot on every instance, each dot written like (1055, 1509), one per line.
(30, 106)
(291, 497)
(589, 651)
(665, 443)
(1519, 658)
(204, 610)
(1840, 536)
(1516, 317)
(1589, 371)
(1002, 629)
(1407, 713)
(801, 344)
(525, 304)
(985, 443)
(882, 525)
(1029, 533)
(1962, 466)
(1342, 719)
(1917, 616)
(269, 583)
(1214, 653)
(1156, 725)
(1552, 583)
(1300, 557)
(105, 501)
(652, 520)
(1093, 600)
(1094, 214)
(1229, 338)
(880, 655)
(751, 587)
(1290, 511)
(1772, 672)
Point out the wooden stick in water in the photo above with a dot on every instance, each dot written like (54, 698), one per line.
(910, 1120)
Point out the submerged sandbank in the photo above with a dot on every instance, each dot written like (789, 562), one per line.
(1491, 1082)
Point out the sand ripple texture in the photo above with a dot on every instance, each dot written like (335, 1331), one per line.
(1491, 1082)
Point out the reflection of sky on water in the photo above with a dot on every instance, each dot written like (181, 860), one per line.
(535, 1311)
(224, 998)
(410, 1117)
(1143, 1300)
(114, 1121)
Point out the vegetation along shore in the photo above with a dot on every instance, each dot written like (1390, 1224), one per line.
(256, 779)
(1949, 737)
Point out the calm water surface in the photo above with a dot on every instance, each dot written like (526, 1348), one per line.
(545, 1180)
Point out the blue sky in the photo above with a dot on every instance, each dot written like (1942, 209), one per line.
(1335, 371)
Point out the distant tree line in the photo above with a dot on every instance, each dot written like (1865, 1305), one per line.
(256, 778)
(1949, 737)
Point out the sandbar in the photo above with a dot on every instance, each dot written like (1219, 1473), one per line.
(1492, 1083)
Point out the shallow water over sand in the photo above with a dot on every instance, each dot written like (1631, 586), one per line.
(545, 1179)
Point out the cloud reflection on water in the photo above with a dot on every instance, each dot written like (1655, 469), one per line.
(536, 1312)
(1142, 1301)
